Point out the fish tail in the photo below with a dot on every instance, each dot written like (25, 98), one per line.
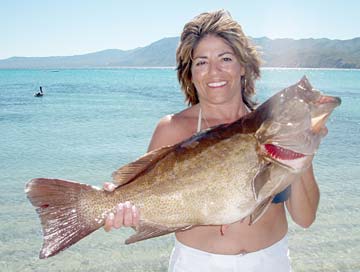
(65, 218)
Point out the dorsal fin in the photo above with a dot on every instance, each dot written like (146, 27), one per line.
(128, 172)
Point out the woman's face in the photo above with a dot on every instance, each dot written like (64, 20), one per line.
(216, 71)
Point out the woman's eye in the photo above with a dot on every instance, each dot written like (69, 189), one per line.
(227, 59)
(199, 63)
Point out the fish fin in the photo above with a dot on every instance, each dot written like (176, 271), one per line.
(305, 83)
(260, 210)
(129, 172)
(147, 230)
(260, 179)
(58, 204)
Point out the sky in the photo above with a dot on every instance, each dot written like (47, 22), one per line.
(38, 28)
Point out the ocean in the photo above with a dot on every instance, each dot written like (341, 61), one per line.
(92, 121)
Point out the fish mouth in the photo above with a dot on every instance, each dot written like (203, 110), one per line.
(278, 152)
(326, 105)
(290, 159)
(317, 123)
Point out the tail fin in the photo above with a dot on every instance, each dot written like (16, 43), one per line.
(62, 212)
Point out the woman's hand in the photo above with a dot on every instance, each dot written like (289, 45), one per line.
(126, 215)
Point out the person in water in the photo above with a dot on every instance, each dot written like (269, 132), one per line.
(39, 93)
(217, 67)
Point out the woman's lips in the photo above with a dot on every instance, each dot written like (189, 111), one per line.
(217, 84)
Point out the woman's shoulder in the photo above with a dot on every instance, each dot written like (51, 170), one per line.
(179, 120)
(174, 128)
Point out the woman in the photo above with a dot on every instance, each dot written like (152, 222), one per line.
(216, 68)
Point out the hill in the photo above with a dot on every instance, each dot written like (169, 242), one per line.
(304, 53)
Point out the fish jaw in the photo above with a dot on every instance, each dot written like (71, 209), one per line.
(321, 110)
(293, 161)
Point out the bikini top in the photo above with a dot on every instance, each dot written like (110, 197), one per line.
(280, 197)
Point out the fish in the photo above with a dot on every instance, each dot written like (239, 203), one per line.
(218, 176)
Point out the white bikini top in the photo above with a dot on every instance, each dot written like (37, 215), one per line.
(199, 121)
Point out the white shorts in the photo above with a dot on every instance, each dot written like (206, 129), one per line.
(274, 258)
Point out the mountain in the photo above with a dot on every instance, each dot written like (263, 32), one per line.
(157, 54)
(101, 58)
(307, 53)
(310, 53)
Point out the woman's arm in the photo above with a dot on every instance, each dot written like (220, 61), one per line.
(304, 199)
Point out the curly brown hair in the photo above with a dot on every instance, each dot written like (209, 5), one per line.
(221, 24)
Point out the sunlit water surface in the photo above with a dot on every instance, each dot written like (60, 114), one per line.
(92, 121)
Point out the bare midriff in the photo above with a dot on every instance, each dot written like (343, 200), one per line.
(239, 237)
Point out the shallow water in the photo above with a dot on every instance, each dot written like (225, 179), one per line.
(91, 121)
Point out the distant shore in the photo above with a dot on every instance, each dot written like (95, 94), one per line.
(170, 68)
(316, 53)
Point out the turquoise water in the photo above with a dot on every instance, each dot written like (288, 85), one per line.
(92, 121)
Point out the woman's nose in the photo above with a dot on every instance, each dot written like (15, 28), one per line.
(214, 67)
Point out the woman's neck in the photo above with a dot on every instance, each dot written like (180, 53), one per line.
(224, 113)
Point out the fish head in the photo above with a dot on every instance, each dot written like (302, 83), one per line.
(293, 123)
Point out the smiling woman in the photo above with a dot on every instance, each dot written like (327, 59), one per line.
(217, 67)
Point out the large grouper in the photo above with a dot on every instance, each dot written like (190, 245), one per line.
(218, 176)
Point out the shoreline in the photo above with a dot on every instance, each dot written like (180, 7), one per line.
(56, 69)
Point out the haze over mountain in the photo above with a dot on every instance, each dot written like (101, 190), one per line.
(304, 53)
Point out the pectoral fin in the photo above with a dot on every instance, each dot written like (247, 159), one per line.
(147, 230)
(260, 179)
(260, 210)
